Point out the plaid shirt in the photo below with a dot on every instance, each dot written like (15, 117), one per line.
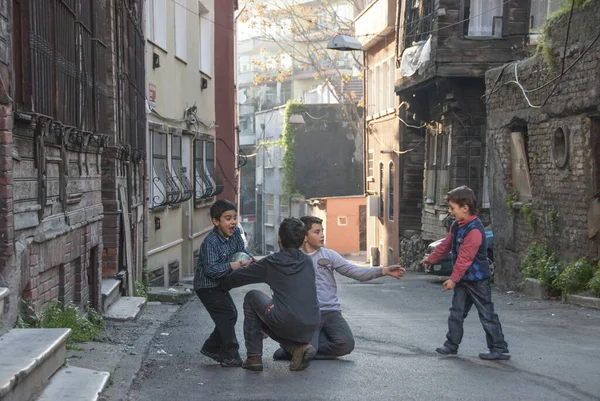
(213, 262)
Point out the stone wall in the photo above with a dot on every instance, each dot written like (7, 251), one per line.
(6, 127)
(561, 186)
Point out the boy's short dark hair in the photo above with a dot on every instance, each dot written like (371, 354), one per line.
(291, 233)
(462, 196)
(221, 206)
(309, 221)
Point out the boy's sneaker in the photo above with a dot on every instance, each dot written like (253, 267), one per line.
(231, 363)
(281, 355)
(301, 356)
(254, 363)
(212, 355)
(492, 355)
(445, 350)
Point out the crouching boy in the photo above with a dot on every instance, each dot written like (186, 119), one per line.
(292, 315)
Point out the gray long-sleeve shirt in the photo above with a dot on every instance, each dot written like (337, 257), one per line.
(325, 262)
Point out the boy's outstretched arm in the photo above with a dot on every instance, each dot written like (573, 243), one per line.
(440, 251)
(363, 273)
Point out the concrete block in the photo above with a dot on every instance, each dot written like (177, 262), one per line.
(534, 288)
(126, 308)
(29, 358)
(75, 384)
(110, 292)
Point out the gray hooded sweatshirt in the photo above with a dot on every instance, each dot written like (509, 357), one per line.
(325, 262)
(291, 276)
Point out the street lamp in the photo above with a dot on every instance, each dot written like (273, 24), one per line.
(344, 43)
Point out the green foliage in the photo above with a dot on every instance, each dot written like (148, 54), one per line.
(511, 198)
(594, 283)
(289, 157)
(552, 218)
(527, 212)
(83, 328)
(540, 264)
(575, 277)
(544, 46)
(142, 288)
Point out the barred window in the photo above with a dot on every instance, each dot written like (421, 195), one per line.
(391, 192)
(206, 180)
(160, 187)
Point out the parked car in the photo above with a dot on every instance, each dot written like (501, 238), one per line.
(444, 267)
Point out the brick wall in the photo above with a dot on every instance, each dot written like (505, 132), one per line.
(566, 189)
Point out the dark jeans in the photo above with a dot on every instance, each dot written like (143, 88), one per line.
(222, 311)
(333, 336)
(256, 304)
(467, 294)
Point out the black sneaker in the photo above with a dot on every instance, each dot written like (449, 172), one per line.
(495, 356)
(232, 363)
(212, 355)
(281, 355)
(445, 350)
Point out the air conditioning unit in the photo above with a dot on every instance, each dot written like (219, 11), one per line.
(373, 205)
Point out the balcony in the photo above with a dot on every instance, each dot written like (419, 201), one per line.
(377, 20)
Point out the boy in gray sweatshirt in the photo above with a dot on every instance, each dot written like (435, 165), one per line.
(333, 337)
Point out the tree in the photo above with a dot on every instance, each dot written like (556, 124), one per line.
(294, 36)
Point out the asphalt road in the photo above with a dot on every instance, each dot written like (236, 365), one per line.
(555, 351)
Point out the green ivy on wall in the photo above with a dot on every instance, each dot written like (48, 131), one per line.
(289, 156)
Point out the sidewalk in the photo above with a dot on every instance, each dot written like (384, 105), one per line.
(122, 349)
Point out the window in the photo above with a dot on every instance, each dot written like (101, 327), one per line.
(180, 30)
(391, 192)
(381, 191)
(521, 180)
(170, 184)
(485, 17)
(284, 208)
(437, 176)
(206, 40)
(160, 184)
(540, 10)
(269, 209)
(157, 23)
(206, 181)
(178, 171)
(370, 173)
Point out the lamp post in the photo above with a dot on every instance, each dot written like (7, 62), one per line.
(346, 43)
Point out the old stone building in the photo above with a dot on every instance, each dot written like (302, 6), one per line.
(544, 131)
(72, 168)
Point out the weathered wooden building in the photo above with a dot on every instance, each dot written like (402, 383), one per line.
(72, 149)
(544, 131)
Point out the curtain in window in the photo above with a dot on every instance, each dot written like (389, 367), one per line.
(481, 17)
(540, 9)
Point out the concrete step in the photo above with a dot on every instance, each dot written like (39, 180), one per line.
(75, 384)
(126, 308)
(28, 358)
(110, 292)
(176, 294)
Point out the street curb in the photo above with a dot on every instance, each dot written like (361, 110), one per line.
(534, 288)
(581, 300)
